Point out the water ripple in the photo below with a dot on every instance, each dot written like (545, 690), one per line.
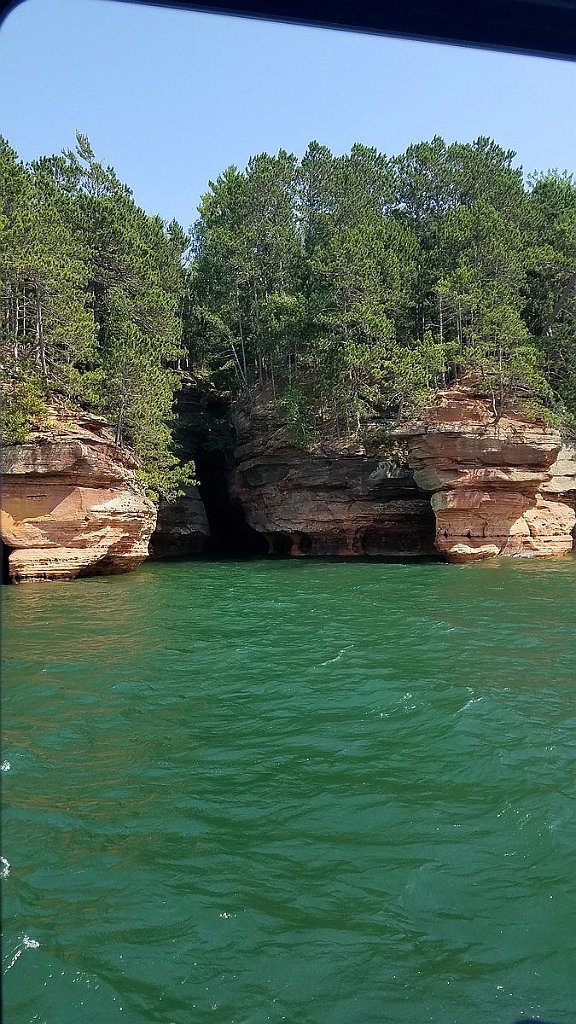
(302, 792)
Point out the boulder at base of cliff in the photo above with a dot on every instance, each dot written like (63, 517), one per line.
(181, 528)
(70, 506)
(499, 487)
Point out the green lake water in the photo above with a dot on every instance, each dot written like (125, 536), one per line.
(266, 791)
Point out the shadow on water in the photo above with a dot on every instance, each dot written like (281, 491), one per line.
(218, 557)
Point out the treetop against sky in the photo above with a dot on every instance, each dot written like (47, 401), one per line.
(171, 98)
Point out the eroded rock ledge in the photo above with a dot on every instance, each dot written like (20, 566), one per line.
(505, 487)
(333, 501)
(70, 506)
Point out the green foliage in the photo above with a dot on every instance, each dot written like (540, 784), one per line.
(354, 287)
(23, 408)
(294, 403)
(165, 476)
(345, 289)
(93, 289)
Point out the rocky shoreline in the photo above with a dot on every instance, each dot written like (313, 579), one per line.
(472, 487)
(499, 487)
(70, 506)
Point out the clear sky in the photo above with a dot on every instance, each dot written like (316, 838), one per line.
(171, 98)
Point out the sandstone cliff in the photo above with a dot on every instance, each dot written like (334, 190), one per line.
(499, 487)
(69, 503)
(181, 528)
(327, 501)
(474, 487)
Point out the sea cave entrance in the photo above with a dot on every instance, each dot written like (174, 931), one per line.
(6, 552)
(230, 534)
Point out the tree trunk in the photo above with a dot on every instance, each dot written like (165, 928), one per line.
(241, 333)
(565, 294)
(40, 339)
(120, 423)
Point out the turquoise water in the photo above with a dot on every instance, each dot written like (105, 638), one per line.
(308, 792)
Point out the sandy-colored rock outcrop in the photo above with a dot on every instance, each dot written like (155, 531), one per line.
(69, 504)
(563, 474)
(327, 502)
(499, 487)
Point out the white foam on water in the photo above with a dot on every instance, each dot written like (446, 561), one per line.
(469, 703)
(27, 943)
(338, 656)
(5, 766)
(4, 867)
(14, 959)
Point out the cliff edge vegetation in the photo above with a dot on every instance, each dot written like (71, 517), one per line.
(347, 289)
(92, 291)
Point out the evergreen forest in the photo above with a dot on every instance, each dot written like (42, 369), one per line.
(342, 290)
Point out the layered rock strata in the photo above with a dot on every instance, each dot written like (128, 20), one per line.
(328, 502)
(499, 486)
(182, 527)
(69, 504)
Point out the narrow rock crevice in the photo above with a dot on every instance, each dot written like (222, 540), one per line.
(6, 552)
(230, 534)
(262, 494)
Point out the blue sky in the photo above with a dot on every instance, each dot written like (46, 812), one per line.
(171, 98)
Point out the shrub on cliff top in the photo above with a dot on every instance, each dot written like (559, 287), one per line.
(23, 409)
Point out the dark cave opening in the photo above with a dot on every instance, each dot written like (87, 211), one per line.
(6, 552)
(230, 534)
(305, 543)
(207, 435)
(280, 544)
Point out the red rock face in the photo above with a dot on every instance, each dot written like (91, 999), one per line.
(70, 507)
(327, 503)
(498, 488)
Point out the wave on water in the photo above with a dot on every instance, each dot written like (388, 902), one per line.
(303, 805)
(25, 943)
